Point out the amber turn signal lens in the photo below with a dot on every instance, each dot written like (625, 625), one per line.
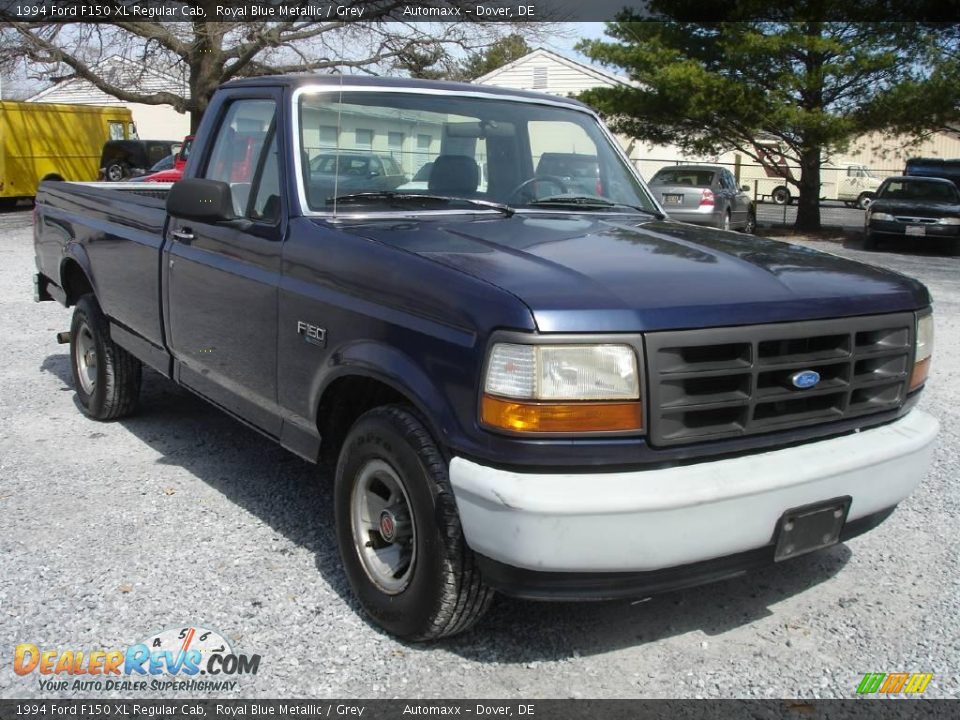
(920, 371)
(579, 417)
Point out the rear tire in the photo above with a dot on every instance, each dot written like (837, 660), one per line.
(105, 376)
(781, 196)
(726, 221)
(116, 171)
(411, 569)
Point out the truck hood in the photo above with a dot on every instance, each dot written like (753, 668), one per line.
(582, 273)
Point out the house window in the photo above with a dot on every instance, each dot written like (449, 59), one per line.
(540, 77)
(364, 139)
(328, 136)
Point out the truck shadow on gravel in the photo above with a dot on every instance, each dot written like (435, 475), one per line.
(292, 497)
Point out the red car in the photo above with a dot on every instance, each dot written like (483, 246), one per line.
(179, 163)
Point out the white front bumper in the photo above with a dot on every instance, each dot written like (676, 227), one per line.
(651, 519)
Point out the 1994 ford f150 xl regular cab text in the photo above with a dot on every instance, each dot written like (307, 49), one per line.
(527, 382)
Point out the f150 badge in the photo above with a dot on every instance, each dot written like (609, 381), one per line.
(312, 333)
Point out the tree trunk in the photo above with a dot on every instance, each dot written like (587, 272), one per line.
(808, 206)
(206, 69)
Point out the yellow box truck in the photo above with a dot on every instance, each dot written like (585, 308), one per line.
(52, 141)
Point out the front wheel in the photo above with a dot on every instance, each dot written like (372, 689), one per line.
(751, 225)
(399, 532)
(863, 202)
(105, 376)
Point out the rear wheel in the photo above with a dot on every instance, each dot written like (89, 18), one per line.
(399, 532)
(116, 171)
(105, 376)
(781, 196)
(726, 221)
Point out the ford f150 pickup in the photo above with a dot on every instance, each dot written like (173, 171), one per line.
(521, 386)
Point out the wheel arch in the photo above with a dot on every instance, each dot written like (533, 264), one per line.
(75, 277)
(370, 374)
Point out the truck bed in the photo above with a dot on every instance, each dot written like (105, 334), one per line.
(116, 232)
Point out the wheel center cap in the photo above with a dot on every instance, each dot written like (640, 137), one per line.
(388, 526)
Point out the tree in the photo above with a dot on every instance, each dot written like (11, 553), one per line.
(500, 53)
(206, 53)
(812, 85)
(437, 65)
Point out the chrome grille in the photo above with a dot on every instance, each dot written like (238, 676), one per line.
(729, 382)
(916, 220)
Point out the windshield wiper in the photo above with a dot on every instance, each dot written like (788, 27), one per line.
(396, 198)
(586, 201)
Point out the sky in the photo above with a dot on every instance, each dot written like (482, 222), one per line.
(575, 32)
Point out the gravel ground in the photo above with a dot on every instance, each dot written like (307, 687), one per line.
(181, 515)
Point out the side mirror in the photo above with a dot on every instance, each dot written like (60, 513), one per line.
(203, 200)
(745, 188)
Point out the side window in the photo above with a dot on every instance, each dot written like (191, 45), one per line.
(115, 129)
(238, 148)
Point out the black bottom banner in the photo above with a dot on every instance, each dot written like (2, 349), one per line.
(865, 709)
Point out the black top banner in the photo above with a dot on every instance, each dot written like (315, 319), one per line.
(474, 10)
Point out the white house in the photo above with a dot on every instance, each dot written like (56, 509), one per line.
(154, 122)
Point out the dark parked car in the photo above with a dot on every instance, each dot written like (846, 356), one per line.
(355, 172)
(704, 195)
(123, 159)
(579, 173)
(915, 208)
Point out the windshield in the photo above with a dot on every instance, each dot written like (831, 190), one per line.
(922, 190)
(521, 154)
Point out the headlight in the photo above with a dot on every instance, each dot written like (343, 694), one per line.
(562, 388)
(882, 216)
(948, 221)
(924, 351)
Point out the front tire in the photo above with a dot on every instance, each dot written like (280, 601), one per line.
(106, 377)
(399, 533)
(863, 202)
(751, 225)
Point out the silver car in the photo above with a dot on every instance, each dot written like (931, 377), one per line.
(704, 195)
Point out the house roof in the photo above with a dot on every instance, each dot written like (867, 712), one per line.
(119, 71)
(544, 54)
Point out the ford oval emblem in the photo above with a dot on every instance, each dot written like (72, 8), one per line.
(805, 379)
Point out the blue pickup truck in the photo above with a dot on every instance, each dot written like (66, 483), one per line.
(521, 386)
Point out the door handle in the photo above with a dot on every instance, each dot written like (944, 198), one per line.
(184, 235)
